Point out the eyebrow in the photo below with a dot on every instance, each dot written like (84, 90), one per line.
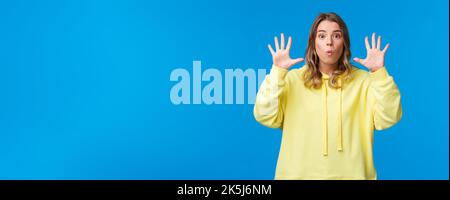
(333, 31)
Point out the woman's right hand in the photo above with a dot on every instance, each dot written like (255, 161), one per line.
(281, 56)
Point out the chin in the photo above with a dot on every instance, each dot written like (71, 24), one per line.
(330, 61)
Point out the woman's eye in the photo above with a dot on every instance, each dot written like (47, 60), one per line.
(337, 36)
(321, 36)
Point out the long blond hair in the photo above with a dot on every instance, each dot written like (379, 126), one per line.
(312, 75)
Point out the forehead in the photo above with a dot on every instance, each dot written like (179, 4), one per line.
(328, 26)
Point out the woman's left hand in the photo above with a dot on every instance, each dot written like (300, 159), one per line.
(375, 56)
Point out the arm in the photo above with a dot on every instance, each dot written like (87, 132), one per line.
(387, 108)
(268, 106)
(383, 92)
(272, 93)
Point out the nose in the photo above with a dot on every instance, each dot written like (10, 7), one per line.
(329, 41)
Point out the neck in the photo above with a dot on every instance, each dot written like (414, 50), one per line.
(327, 68)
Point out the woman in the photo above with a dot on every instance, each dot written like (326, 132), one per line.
(327, 109)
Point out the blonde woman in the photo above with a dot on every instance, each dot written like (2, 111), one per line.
(327, 109)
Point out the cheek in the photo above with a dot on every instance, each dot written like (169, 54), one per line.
(340, 47)
(320, 46)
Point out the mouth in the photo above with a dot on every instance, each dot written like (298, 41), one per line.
(329, 52)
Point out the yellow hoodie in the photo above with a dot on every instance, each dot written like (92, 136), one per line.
(327, 133)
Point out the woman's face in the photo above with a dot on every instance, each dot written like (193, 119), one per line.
(329, 42)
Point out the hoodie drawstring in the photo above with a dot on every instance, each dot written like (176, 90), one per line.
(325, 119)
(340, 148)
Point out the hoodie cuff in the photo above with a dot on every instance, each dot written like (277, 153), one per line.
(278, 72)
(380, 74)
(277, 75)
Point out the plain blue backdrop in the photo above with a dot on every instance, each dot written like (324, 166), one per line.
(85, 90)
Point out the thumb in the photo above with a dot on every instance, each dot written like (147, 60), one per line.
(359, 60)
(297, 60)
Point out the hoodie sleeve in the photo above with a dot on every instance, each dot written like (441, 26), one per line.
(384, 93)
(268, 109)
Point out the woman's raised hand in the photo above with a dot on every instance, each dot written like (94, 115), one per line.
(375, 56)
(280, 56)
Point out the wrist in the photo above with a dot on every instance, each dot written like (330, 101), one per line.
(280, 66)
(375, 69)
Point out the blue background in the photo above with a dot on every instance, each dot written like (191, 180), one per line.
(84, 86)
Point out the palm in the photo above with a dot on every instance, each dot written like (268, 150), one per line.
(375, 56)
(280, 56)
(282, 59)
(374, 59)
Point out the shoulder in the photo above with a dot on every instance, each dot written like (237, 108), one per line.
(295, 76)
(297, 73)
(359, 74)
(359, 77)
